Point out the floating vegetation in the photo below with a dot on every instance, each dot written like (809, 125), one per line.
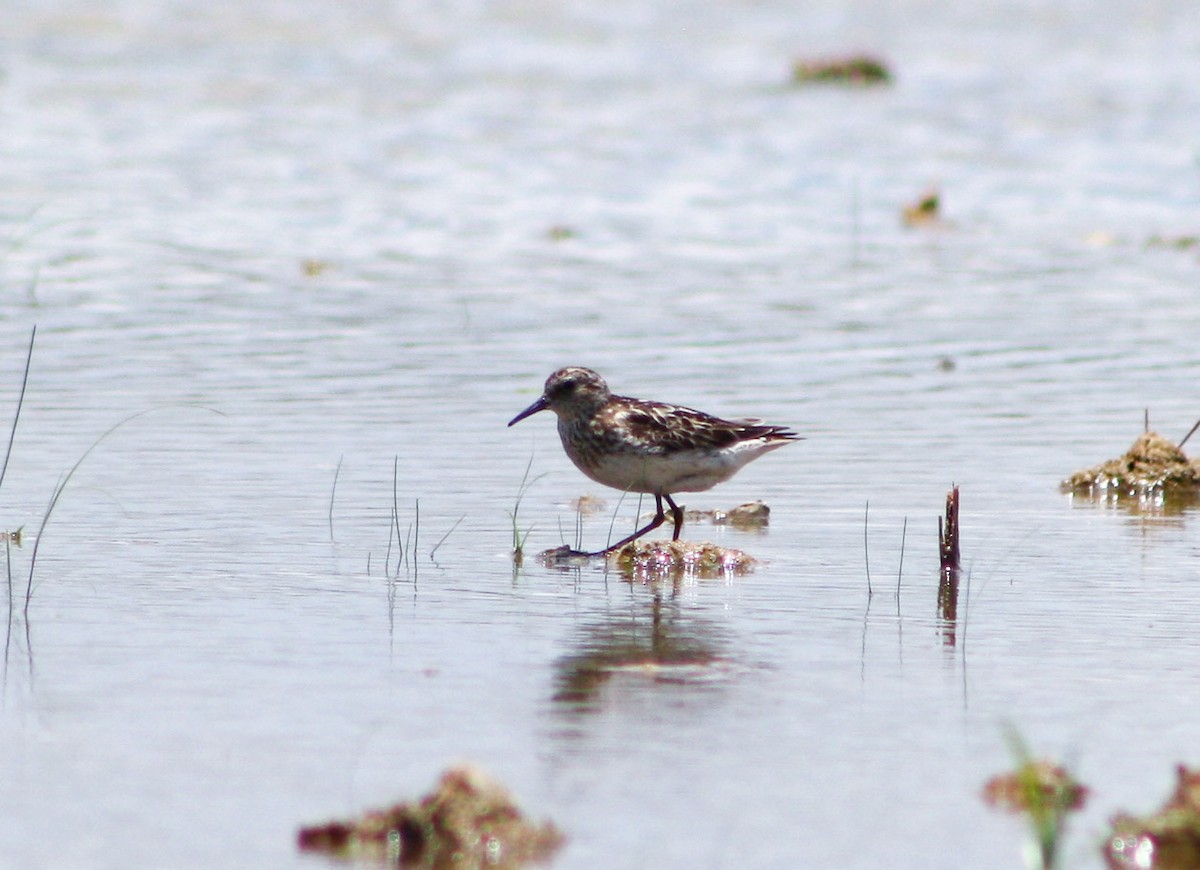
(469, 821)
(1167, 840)
(1153, 466)
(1044, 793)
(560, 233)
(924, 212)
(751, 515)
(1174, 243)
(851, 70)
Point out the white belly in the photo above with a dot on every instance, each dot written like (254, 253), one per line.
(684, 471)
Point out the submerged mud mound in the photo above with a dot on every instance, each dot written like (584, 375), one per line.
(677, 558)
(656, 559)
(1153, 465)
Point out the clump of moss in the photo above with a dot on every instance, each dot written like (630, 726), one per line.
(469, 821)
(675, 558)
(852, 70)
(1167, 840)
(1152, 465)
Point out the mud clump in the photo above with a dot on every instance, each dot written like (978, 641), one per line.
(751, 515)
(651, 560)
(469, 821)
(1153, 465)
(1167, 840)
(680, 558)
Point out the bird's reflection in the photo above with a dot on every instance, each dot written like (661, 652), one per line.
(655, 642)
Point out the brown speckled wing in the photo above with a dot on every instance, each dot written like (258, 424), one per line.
(666, 429)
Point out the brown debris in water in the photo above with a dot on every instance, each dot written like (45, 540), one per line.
(469, 821)
(673, 558)
(1153, 464)
(751, 515)
(924, 212)
(560, 233)
(588, 505)
(852, 70)
(1167, 840)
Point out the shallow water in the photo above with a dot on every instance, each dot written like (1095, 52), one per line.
(318, 248)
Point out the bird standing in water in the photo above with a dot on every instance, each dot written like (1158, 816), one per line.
(639, 446)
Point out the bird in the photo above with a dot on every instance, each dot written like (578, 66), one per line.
(636, 445)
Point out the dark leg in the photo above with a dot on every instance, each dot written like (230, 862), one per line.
(677, 515)
(659, 518)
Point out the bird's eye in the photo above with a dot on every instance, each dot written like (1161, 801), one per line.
(568, 386)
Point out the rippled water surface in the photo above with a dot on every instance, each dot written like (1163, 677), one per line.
(324, 252)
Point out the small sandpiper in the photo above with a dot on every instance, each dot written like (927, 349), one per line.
(640, 446)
